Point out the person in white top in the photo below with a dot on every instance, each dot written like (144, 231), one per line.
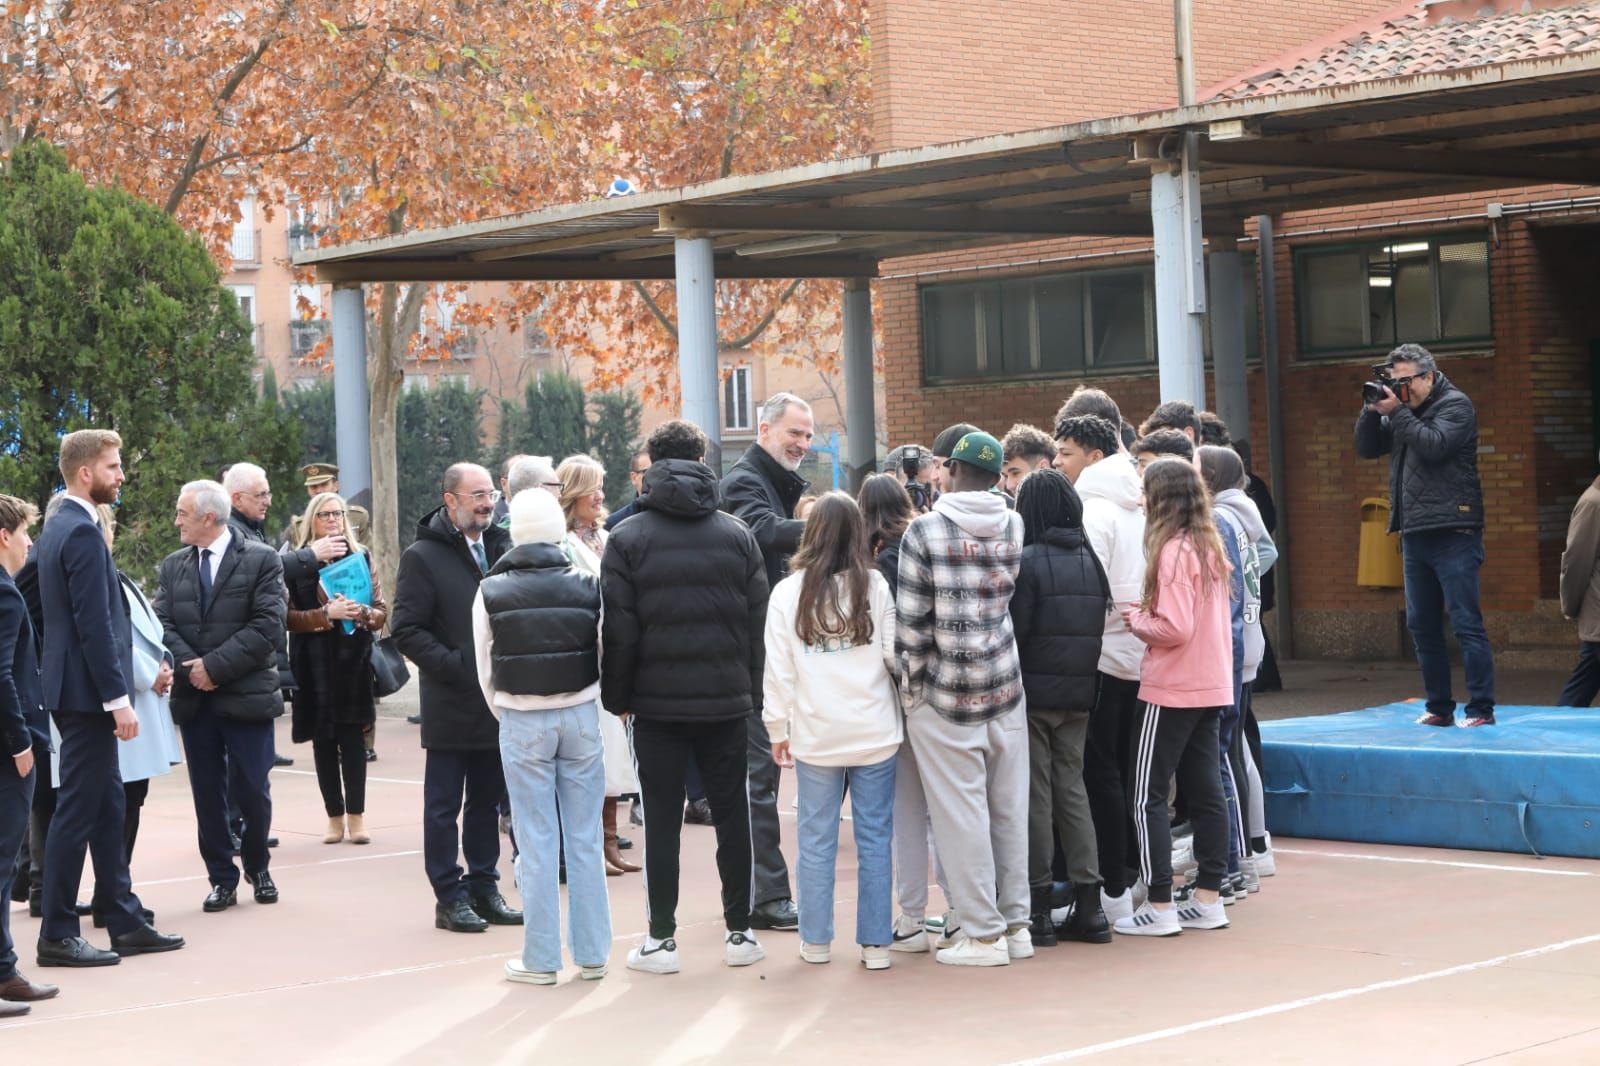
(832, 715)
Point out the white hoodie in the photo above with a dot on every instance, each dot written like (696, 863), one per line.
(1114, 521)
(834, 702)
(1259, 553)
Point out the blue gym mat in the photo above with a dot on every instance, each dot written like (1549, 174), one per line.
(1530, 784)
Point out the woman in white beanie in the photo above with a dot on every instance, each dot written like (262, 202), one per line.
(536, 633)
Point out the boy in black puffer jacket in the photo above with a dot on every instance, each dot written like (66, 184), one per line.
(1058, 612)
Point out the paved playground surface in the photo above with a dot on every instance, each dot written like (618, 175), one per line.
(1352, 952)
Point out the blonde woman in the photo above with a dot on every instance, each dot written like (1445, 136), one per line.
(333, 670)
(583, 501)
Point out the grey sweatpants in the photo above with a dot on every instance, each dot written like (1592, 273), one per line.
(975, 778)
(913, 842)
(1057, 800)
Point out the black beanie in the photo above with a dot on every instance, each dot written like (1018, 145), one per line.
(946, 442)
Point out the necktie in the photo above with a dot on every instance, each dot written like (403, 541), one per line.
(477, 553)
(205, 579)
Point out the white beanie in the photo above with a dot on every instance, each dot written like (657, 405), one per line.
(536, 518)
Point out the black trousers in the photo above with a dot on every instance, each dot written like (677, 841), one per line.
(1105, 767)
(44, 809)
(1584, 684)
(16, 801)
(229, 760)
(134, 793)
(90, 805)
(661, 753)
(771, 872)
(469, 787)
(1182, 740)
(345, 751)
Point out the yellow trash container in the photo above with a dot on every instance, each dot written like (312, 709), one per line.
(1378, 564)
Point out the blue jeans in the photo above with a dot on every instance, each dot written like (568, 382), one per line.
(872, 816)
(546, 755)
(1441, 568)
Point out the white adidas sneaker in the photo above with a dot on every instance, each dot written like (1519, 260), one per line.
(1192, 914)
(1150, 920)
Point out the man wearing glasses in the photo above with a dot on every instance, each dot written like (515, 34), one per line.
(456, 545)
(249, 499)
(1429, 430)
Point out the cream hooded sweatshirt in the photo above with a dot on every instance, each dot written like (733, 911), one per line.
(1114, 522)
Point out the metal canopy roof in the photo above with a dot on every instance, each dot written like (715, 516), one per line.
(1525, 123)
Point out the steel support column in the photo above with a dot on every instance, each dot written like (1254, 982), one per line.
(1226, 300)
(1180, 278)
(351, 400)
(697, 341)
(860, 414)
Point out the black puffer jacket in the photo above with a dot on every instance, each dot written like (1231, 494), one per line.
(293, 568)
(1059, 614)
(545, 617)
(1433, 465)
(685, 604)
(432, 625)
(238, 638)
(888, 564)
(762, 494)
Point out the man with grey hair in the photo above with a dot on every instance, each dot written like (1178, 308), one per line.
(502, 506)
(762, 489)
(532, 472)
(221, 604)
(1429, 430)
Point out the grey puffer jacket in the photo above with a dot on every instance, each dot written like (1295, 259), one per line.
(1433, 465)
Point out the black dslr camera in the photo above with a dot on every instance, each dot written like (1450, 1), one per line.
(911, 461)
(1372, 391)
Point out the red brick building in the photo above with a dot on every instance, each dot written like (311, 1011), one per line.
(1496, 283)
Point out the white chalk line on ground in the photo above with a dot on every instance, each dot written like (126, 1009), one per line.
(276, 867)
(1303, 1002)
(370, 778)
(1434, 862)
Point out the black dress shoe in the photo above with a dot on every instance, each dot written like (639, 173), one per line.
(272, 842)
(495, 910)
(266, 890)
(281, 760)
(21, 990)
(220, 899)
(414, 719)
(145, 941)
(458, 917)
(623, 843)
(146, 913)
(19, 886)
(778, 914)
(74, 951)
(372, 754)
(83, 909)
(697, 812)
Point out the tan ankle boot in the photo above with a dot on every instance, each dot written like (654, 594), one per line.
(358, 831)
(608, 819)
(335, 831)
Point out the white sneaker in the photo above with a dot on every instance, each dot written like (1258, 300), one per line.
(654, 956)
(1183, 861)
(1150, 920)
(1116, 907)
(592, 973)
(876, 956)
(1019, 942)
(910, 935)
(1252, 877)
(1140, 892)
(949, 931)
(739, 948)
(519, 973)
(1196, 915)
(1266, 865)
(1060, 914)
(814, 953)
(969, 952)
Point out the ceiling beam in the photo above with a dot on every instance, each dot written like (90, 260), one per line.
(767, 220)
(1471, 116)
(728, 268)
(1366, 157)
(580, 240)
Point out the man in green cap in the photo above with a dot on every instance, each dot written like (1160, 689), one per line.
(961, 684)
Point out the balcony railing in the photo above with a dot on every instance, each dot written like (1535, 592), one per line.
(246, 248)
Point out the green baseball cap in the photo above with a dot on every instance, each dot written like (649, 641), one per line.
(980, 450)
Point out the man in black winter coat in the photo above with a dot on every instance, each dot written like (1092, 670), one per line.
(1430, 433)
(762, 489)
(432, 624)
(221, 603)
(685, 594)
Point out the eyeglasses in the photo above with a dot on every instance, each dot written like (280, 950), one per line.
(640, 473)
(551, 484)
(330, 514)
(492, 496)
(265, 494)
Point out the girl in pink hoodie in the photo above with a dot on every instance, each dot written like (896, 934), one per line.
(1184, 682)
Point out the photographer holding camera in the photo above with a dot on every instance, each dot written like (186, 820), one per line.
(1429, 430)
(912, 465)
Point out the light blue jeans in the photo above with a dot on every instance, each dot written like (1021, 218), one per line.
(872, 817)
(551, 756)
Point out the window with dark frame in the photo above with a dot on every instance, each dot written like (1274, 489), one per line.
(1375, 295)
(737, 416)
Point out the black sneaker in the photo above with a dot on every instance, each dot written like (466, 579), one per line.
(777, 914)
(1443, 720)
(1186, 892)
(1472, 721)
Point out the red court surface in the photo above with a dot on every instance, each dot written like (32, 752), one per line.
(1351, 953)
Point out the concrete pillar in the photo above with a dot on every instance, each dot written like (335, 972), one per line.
(1180, 280)
(350, 394)
(1226, 301)
(860, 413)
(698, 380)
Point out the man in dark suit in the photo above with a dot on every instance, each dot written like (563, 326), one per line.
(86, 691)
(22, 728)
(221, 604)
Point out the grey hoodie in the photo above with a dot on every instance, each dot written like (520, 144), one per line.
(1254, 540)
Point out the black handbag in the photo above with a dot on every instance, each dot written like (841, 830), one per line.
(390, 673)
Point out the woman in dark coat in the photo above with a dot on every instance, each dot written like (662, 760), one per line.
(887, 509)
(333, 670)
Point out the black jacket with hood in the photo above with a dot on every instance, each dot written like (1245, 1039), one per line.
(1433, 464)
(685, 591)
(432, 625)
(762, 494)
(1059, 614)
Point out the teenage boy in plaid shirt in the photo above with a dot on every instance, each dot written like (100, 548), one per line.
(961, 684)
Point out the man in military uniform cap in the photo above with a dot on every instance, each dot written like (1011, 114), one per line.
(324, 477)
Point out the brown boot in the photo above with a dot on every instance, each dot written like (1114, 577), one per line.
(608, 819)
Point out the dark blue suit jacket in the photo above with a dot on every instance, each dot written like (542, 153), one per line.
(22, 719)
(85, 627)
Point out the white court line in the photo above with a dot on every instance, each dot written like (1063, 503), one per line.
(380, 780)
(1297, 1004)
(1435, 862)
(286, 866)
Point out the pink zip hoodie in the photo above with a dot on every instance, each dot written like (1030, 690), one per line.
(1188, 661)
